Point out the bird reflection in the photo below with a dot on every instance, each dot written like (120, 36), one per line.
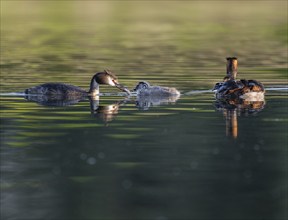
(105, 113)
(237, 97)
(231, 109)
(145, 102)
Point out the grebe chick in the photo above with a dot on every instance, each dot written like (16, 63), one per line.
(231, 88)
(67, 91)
(143, 88)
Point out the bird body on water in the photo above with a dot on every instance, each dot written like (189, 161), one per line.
(143, 88)
(231, 88)
(67, 91)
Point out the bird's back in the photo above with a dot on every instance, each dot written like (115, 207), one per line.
(237, 89)
(158, 91)
(56, 89)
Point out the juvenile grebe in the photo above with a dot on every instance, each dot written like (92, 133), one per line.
(67, 91)
(145, 89)
(231, 88)
(148, 95)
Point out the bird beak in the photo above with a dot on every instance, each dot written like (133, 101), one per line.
(121, 87)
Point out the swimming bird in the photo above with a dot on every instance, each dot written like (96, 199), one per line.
(148, 95)
(66, 91)
(231, 88)
(143, 88)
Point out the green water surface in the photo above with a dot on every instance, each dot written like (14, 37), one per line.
(170, 160)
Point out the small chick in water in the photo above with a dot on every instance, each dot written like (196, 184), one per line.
(143, 88)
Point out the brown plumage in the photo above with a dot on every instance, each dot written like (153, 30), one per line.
(232, 88)
(67, 91)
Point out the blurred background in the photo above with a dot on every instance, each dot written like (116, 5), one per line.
(72, 40)
(172, 161)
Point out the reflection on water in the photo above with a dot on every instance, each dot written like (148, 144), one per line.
(233, 108)
(234, 96)
(146, 102)
(105, 113)
(172, 161)
(108, 112)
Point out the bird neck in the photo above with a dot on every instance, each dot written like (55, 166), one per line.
(232, 65)
(94, 87)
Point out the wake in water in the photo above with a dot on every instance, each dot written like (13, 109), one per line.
(58, 100)
(192, 92)
(195, 92)
(277, 89)
(19, 94)
(22, 94)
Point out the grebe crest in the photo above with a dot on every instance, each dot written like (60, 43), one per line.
(143, 88)
(65, 90)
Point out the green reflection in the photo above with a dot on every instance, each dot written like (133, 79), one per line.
(126, 165)
(61, 43)
(170, 162)
(123, 136)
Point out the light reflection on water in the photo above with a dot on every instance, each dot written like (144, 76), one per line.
(123, 158)
(170, 158)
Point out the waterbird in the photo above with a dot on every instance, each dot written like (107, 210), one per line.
(143, 88)
(231, 88)
(148, 95)
(67, 91)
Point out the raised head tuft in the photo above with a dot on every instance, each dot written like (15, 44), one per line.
(110, 73)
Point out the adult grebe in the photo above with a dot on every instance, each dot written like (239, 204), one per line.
(231, 88)
(67, 91)
(145, 89)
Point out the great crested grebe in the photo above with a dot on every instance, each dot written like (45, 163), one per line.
(143, 88)
(69, 91)
(231, 88)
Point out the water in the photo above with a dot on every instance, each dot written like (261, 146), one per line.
(120, 158)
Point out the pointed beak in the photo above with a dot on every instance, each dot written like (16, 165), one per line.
(123, 88)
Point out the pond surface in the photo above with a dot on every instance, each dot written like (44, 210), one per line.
(123, 158)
